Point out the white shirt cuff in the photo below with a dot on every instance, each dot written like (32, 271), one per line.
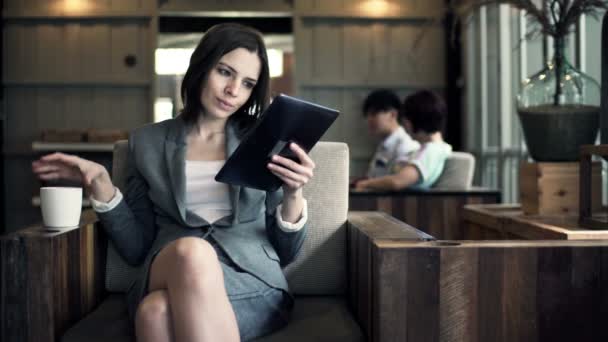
(102, 207)
(289, 227)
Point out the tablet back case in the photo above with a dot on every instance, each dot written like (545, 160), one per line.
(286, 120)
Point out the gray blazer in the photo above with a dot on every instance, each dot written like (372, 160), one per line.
(154, 213)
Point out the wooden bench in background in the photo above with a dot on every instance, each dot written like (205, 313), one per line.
(437, 212)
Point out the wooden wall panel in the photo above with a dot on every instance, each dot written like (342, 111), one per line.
(358, 49)
(60, 7)
(358, 53)
(328, 56)
(345, 50)
(228, 6)
(67, 51)
(30, 110)
(373, 9)
(65, 69)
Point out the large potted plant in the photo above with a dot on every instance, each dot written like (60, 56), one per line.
(559, 105)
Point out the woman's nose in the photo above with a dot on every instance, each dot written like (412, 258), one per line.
(232, 88)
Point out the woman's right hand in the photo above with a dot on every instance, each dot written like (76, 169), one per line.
(93, 176)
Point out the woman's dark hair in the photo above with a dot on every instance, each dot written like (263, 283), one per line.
(218, 41)
(425, 110)
(380, 100)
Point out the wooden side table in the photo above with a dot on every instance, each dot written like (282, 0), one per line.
(507, 221)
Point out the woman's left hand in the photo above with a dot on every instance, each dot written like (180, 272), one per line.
(294, 175)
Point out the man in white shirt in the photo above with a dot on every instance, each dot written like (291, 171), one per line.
(381, 110)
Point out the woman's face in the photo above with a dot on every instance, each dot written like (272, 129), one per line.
(230, 83)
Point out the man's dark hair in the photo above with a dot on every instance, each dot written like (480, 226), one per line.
(379, 101)
(425, 110)
(218, 41)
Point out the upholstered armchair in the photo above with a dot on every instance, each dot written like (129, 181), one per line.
(67, 285)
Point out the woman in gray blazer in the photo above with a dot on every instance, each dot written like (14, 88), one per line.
(209, 254)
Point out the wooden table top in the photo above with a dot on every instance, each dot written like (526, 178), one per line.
(509, 218)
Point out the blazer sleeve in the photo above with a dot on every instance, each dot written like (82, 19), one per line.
(130, 224)
(286, 244)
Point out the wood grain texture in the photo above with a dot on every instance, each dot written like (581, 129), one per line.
(553, 188)
(50, 279)
(363, 229)
(64, 67)
(489, 291)
(439, 215)
(507, 221)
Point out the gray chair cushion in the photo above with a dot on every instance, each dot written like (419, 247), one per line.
(320, 268)
(319, 319)
(321, 265)
(457, 172)
(313, 319)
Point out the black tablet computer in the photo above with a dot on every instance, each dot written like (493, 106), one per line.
(286, 120)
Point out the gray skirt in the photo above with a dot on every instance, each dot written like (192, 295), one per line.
(259, 308)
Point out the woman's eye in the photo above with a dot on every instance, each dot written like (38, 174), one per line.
(249, 85)
(223, 72)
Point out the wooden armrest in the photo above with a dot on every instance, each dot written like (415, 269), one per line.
(407, 290)
(50, 278)
(364, 228)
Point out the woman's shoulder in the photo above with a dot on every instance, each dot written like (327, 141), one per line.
(156, 130)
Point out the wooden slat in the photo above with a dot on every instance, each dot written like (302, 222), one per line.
(458, 304)
(363, 229)
(421, 318)
(519, 320)
(490, 287)
(55, 277)
(490, 291)
(390, 307)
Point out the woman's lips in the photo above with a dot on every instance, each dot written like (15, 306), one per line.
(225, 105)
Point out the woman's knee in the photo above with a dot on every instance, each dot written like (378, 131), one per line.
(194, 257)
(153, 309)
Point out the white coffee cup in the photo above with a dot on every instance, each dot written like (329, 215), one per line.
(61, 206)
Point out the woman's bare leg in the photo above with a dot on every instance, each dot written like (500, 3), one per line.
(189, 270)
(153, 318)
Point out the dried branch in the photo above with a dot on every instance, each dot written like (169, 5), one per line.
(556, 18)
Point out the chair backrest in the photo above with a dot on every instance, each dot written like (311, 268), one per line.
(457, 172)
(320, 268)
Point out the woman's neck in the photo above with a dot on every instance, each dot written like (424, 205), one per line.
(209, 128)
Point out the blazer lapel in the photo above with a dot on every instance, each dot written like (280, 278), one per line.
(232, 142)
(175, 157)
